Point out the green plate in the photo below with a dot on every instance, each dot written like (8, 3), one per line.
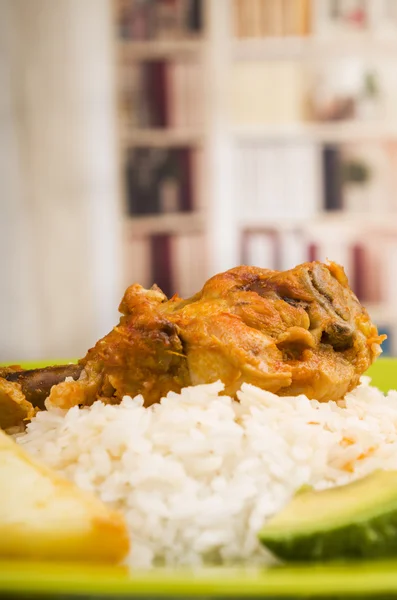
(384, 374)
(365, 580)
(377, 579)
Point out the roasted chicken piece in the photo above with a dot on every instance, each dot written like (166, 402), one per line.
(301, 331)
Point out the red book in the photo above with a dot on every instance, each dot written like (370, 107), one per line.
(359, 262)
(185, 165)
(161, 263)
(312, 252)
(156, 95)
(162, 95)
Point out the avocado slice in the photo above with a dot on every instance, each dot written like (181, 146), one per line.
(356, 520)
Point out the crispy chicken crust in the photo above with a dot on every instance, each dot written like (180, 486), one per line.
(301, 331)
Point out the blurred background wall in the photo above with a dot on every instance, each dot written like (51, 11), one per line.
(165, 140)
(59, 237)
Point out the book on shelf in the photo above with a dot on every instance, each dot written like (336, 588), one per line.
(159, 19)
(174, 262)
(155, 93)
(160, 180)
(271, 18)
(161, 264)
(268, 92)
(276, 18)
(332, 177)
(177, 98)
(296, 16)
(198, 179)
(276, 180)
(297, 180)
(134, 110)
(189, 254)
(162, 94)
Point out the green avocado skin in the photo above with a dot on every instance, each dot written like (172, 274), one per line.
(375, 537)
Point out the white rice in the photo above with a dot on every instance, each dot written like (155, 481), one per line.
(198, 474)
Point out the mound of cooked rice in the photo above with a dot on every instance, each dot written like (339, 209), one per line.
(198, 474)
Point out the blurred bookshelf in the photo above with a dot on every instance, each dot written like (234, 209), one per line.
(259, 131)
(314, 154)
(160, 48)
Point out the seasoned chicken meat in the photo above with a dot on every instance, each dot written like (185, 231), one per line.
(301, 331)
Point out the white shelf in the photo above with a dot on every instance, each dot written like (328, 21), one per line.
(312, 48)
(161, 137)
(153, 49)
(164, 223)
(339, 218)
(347, 131)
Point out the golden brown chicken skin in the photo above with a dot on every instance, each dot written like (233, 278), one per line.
(298, 331)
(143, 354)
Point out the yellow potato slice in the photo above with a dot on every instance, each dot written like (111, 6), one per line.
(43, 516)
